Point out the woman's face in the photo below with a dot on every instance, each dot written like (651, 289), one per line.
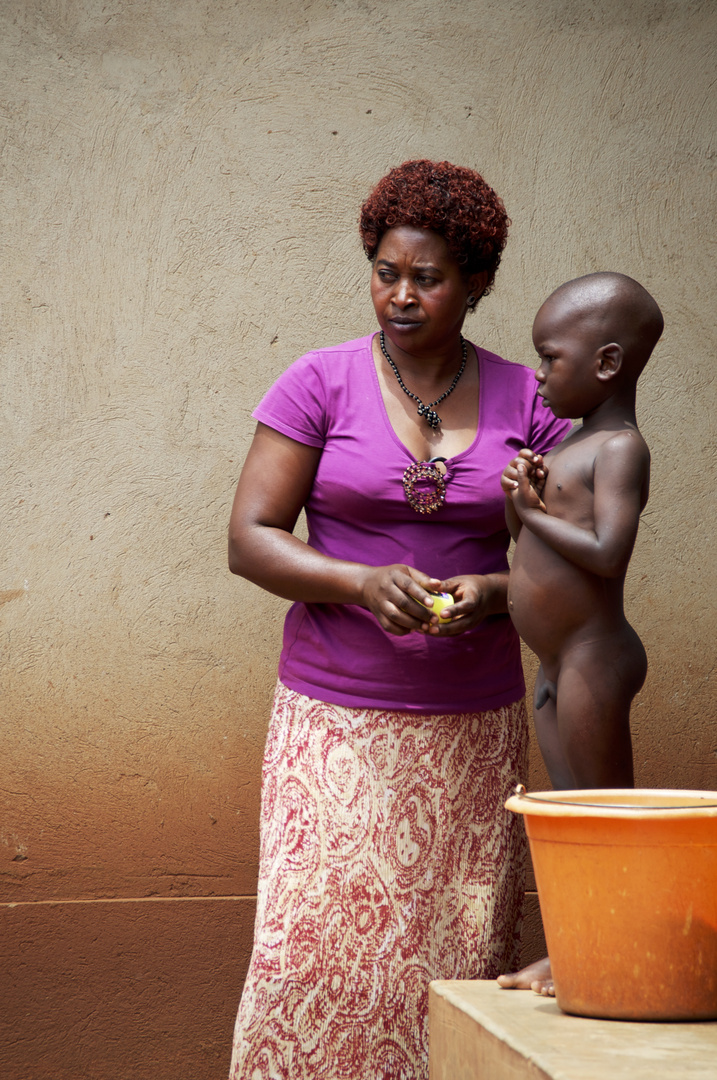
(418, 291)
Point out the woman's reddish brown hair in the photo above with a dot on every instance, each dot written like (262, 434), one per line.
(452, 201)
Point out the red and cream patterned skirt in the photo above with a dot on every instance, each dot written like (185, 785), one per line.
(387, 860)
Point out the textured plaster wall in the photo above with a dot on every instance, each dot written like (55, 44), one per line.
(180, 185)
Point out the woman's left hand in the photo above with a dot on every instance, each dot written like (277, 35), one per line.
(476, 597)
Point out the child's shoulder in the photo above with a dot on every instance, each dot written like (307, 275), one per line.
(626, 441)
(623, 454)
(603, 446)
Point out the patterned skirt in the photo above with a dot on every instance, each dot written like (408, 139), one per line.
(387, 860)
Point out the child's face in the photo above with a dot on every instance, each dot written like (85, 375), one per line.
(568, 347)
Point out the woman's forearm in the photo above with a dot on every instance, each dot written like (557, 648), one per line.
(286, 566)
(275, 559)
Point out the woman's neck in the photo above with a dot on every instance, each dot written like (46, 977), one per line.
(432, 368)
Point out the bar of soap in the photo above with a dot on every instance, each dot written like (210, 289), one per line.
(440, 601)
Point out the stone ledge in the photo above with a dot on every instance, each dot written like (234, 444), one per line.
(480, 1032)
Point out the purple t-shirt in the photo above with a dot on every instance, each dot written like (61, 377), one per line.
(357, 510)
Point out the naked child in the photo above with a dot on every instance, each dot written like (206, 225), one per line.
(575, 517)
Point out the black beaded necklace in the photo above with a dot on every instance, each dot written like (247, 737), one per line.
(428, 411)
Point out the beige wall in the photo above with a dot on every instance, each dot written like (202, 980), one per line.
(181, 181)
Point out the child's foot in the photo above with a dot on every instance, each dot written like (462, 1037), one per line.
(537, 977)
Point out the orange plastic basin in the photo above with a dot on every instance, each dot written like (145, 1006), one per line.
(627, 883)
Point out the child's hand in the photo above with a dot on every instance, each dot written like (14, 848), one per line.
(537, 472)
(524, 494)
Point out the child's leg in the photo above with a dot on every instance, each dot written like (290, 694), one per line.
(545, 717)
(537, 976)
(597, 683)
(584, 735)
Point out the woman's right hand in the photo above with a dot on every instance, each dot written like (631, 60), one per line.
(394, 595)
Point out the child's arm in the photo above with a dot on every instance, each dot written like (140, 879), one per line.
(511, 518)
(509, 482)
(621, 476)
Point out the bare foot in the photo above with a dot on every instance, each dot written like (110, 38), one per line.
(535, 977)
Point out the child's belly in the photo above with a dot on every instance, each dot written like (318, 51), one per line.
(554, 603)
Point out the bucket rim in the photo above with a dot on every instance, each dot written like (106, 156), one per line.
(576, 803)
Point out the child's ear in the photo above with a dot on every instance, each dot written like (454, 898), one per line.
(610, 357)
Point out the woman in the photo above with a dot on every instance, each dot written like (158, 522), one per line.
(387, 858)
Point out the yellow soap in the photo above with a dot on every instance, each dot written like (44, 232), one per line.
(440, 601)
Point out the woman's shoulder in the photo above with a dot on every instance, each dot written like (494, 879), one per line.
(510, 394)
(315, 387)
(499, 366)
(507, 378)
(330, 355)
(328, 366)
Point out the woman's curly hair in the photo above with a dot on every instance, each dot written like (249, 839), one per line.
(452, 201)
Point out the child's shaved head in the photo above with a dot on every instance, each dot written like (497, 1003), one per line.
(615, 308)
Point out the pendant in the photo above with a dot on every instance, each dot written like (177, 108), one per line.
(430, 415)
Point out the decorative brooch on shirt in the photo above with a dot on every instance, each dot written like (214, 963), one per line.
(421, 473)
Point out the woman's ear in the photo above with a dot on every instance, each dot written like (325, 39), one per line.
(476, 286)
(610, 360)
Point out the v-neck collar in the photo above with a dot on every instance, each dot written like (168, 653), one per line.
(392, 431)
